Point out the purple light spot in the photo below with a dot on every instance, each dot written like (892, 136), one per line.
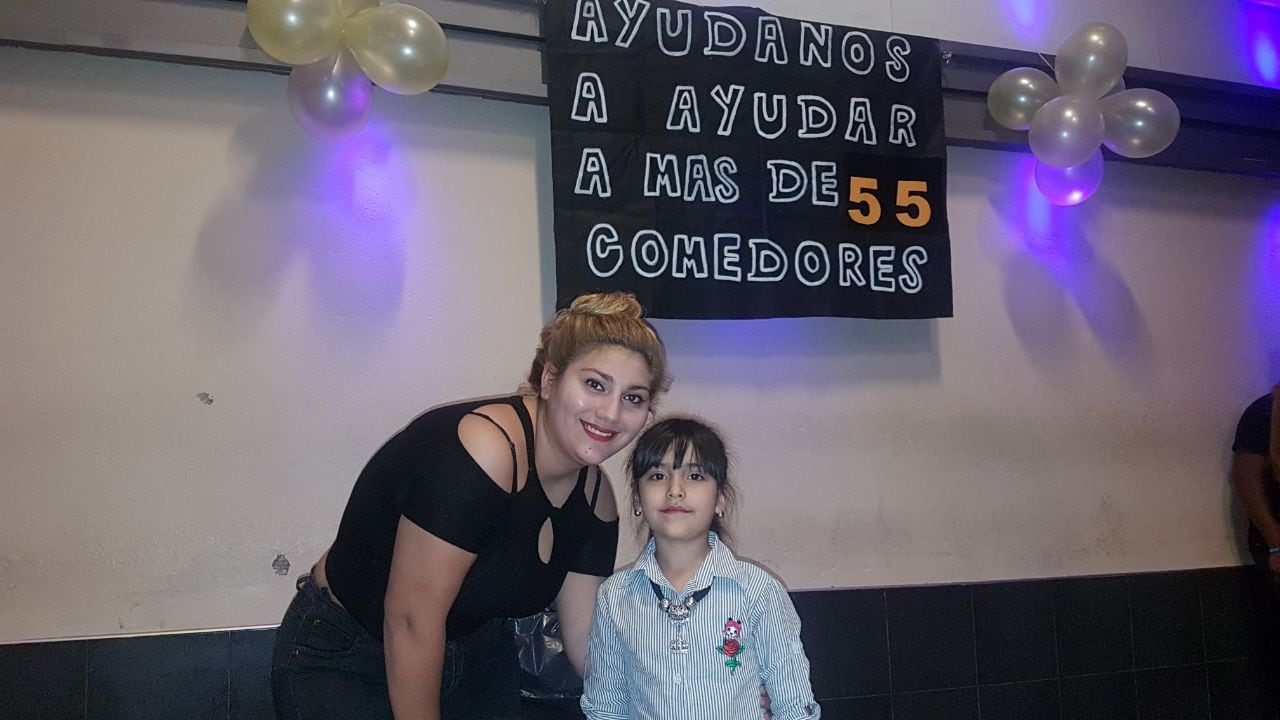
(1262, 31)
(1264, 286)
(1025, 15)
(357, 233)
(1269, 246)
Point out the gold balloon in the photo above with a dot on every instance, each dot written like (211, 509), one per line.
(400, 47)
(296, 32)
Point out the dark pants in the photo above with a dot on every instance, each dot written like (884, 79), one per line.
(1268, 603)
(327, 667)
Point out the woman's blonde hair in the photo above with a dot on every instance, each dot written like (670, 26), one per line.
(592, 320)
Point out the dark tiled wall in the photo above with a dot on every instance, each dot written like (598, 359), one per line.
(1182, 645)
(1160, 646)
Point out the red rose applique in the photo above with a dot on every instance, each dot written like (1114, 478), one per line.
(731, 645)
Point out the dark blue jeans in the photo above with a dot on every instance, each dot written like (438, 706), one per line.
(327, 667)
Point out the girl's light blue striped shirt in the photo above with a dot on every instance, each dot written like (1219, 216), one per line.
(743, 633)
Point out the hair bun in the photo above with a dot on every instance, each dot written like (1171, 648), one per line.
(611, 303)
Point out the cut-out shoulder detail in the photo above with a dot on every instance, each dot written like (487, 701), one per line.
(606, 506)
(493, 437)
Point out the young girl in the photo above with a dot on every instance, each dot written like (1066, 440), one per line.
(689, 631)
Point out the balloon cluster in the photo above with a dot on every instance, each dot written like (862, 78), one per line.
(1085, 107)
(338, 46)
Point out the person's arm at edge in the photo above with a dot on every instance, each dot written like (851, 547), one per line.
(1248, 473)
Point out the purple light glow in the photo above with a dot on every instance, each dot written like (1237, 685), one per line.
(1025, 14)
(1264, 288)
(1049, 233)
(1034, 211)
(1050, 266)
(1268, 250)
(1262, 38)
(361, 196)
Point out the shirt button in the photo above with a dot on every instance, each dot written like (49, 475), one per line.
(675, 679)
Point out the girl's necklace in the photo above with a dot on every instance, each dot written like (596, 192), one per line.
(678, 613)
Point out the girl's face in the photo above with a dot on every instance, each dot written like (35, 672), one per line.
(597, 405)
(679, 503)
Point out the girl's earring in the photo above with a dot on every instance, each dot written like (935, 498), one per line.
(720, 514)
(636, 512)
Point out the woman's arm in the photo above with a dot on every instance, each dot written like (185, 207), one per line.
(577, 597)
(574, 606)
(426, 573)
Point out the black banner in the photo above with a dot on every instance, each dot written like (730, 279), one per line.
(728, 163)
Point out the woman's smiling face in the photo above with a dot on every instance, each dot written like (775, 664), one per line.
(597, 405)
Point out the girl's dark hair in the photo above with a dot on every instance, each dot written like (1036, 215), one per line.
(678, 434)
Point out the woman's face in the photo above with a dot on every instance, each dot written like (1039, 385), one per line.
(597, 405)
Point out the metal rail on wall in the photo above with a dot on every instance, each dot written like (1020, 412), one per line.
(496, 53)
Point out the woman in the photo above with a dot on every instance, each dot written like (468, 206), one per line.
(475, 512)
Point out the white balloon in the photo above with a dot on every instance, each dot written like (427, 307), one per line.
(1091, 60)
(1017, 94)
(1066, 131)
(1139, 122)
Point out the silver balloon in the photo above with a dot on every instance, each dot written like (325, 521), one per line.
(1091, 60)
(1066, 131)
(1017, 94)
(330, 98)
(296, 32)
(1072, 185)
(400, 47)
(1139, 122)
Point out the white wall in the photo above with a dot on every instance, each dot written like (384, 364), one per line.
(166, 231)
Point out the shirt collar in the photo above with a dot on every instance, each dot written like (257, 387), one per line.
(719, 563)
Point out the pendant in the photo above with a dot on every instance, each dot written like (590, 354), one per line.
(678, 613)
(679, 644)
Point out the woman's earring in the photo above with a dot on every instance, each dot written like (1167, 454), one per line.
(636, 512)
(720, 514)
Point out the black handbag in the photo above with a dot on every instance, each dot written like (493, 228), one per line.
(545, 671)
